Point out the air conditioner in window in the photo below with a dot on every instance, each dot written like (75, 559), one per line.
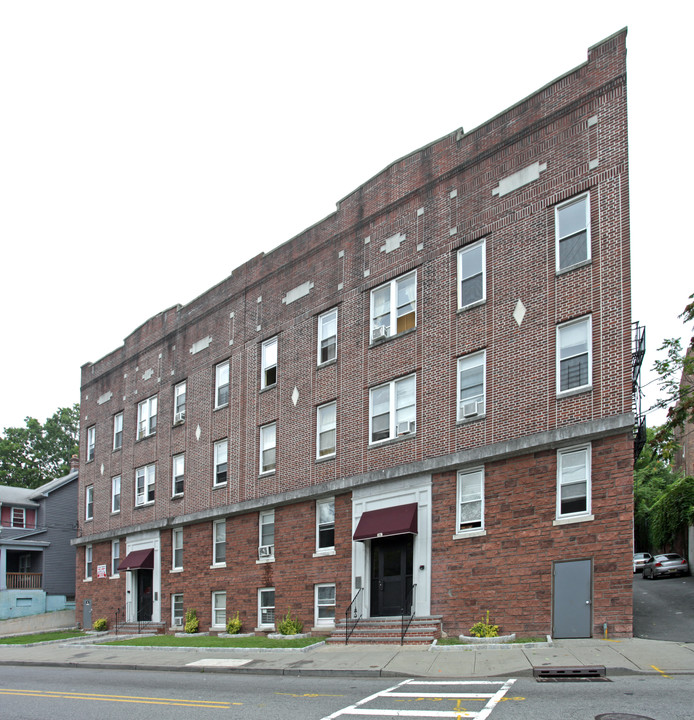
(379, 333)
(266, 551)
(470, 409)
(405, 428)
(179, 417)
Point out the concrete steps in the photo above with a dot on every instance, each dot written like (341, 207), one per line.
(423, 630)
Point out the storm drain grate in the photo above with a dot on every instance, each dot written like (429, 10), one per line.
(581, 672)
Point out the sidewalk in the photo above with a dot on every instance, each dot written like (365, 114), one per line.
(619, 657)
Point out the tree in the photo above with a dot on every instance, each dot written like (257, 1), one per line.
(35, 454)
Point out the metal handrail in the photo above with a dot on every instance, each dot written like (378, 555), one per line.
(352, 608)
(116, 623)
(409, 602)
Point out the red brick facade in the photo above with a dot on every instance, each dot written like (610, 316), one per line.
(500, 183)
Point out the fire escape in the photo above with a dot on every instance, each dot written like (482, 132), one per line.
(638, 350)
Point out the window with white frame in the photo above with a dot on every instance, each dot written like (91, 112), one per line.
(472, 385)
(178, 472)
(219, 609)
(87, 562)
(115, 557)
(266, 539)
(394, 307)
(221, 452)
(325, 604)
(118, 431)
(572, 223)
(392, 409)
(470, 513)
(144, 485)
(177, 549)
(219, 542)
(472, 274)
(268, 376)
(327, 336)
(268, 448)
(179, 402)
(325, 430)
(91, 442)
(18, 517)
(147, 417)
(325, 524)
(177, 610)
(115, 494)
(266, 607)
(221, 385)
(574, 364)
(573, 481)
(89, 503)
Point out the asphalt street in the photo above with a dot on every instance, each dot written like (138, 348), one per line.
(664, 608)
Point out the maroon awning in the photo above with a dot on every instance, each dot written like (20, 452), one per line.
(397, 520)
(138, 560)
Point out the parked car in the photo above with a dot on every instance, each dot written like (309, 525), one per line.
(668, 564)
(640, 559)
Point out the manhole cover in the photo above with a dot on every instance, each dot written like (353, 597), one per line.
(621, 716)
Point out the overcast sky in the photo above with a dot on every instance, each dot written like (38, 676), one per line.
(148, 148)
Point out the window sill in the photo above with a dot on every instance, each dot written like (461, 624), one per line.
(118, 449)
(146, 504)
(177, 496)
(390, 441)
(264, 628)
(175, 570)
(145, 437)
(327, 363)
(574, 391)
(324, 553)
(114, 577)
(267, 387)
(572, 520)
(87, 579)
(217, 628)
(262, 561)
(475, 304)
(219, 485)
(575, 266)
(215, 566)
(267, 473)
(470, 534)
(325, 458)
(88, 520)
(220, 407)
(323, 628)
(115, 512)
(388, 338)
(89, 460)
(467, 421)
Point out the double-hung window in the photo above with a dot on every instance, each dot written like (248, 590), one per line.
(177, 610)
(327, 336)
(472, 274)
(572, 223)
(574, 364)
(219, 542)
(471, 385)
(325, 525)
(221, 453)
(89, 503)
(115, 557)
(179, 402)
(177, 549)
(268, 448)
(178, 472)
(394, 307)
(325, 604)
(392, 409)
(144, 485)
(118, 431)
(18, 517)
(87, 562)
(268, 376)
(573, 482)
(266, 544)
(115, 494)
(221, 385)
(266, 607)
(470, 512)
(325, 430)
(219, 609)
(147, 417)
(91, 442)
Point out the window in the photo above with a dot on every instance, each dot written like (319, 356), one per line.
(147, 417)
(268, 376)
(178, 474)
(325, 430)
(177, 610)
(177, 549)
(266, 607)
(392, 409)
(115, 494)
(573, 481)
(118, 431)
(266, 545)
(573, 232)
(268, 446)
(325, 604)
(394, 307)
(87, 562)
(325, 522)
(89, 503)
(470, 515)
(18, 517)
(115, 557)
(219, 609)
(574, 355)
(219, 542)
(144, 485)
(471, 385)
(220, 462)
(179, 402)
(472, 274)
(221, 385)
(327, 336)
(91, 442)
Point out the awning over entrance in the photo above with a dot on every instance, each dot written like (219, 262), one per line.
(138, 560)
(398, 520)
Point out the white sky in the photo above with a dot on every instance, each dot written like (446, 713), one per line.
(148, 148)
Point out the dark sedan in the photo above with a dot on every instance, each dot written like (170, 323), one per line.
(668, 564)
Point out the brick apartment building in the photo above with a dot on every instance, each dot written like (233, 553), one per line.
(423, 402)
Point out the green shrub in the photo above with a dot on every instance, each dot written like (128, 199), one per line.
(289, 625)
(484, 629)
(100, 625)
(192, 622)
(234, 625)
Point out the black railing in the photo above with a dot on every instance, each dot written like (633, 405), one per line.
(119, 620)
(352, 616)
(408, 612)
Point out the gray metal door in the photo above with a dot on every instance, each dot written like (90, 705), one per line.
(571, 611)
(87, 614)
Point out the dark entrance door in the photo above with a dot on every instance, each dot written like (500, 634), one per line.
(391, 575)
(144, 595)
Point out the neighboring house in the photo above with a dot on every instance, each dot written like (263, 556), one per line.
(422, 403)
(37, 559)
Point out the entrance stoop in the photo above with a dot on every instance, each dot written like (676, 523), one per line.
(423, 630)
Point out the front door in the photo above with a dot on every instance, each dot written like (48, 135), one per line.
(572, 603)
(144, 595)
(391, 575)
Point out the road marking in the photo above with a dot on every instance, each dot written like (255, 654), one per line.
(59, 695)
(657, 669)
(307, 695)
(218, 662)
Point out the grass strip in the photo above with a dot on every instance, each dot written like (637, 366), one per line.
(41, 637)
(214, 641)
